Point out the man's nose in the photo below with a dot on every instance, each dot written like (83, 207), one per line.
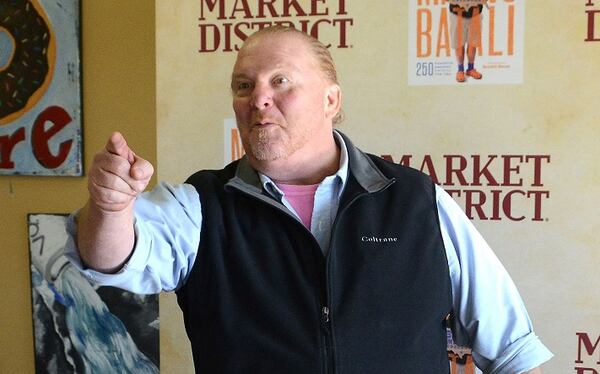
(262, 97)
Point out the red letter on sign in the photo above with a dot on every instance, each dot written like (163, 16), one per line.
(40, 137)
(591, 26)
(586, 371)
(587, 343)
(7, 143)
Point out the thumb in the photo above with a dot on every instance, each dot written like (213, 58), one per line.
(118, 146)
(141, 169)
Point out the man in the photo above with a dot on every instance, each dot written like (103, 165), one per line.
(307, 255)
(465, 29)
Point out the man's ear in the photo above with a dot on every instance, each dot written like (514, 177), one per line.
(333, 100)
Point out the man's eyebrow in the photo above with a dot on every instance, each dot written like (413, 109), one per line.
(238, 76)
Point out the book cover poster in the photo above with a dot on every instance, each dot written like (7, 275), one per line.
(484, 36)
(79, 327)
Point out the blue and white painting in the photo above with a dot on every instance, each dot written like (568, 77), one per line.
(80, 328)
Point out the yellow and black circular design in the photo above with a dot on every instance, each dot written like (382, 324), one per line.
(27, 54)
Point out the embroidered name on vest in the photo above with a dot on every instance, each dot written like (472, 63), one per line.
(377, 239)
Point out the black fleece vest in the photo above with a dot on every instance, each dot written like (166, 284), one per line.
(262, 298)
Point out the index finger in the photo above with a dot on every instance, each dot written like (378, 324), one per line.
(118, 146)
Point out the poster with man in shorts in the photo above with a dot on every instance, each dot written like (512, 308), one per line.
(465, 33)
(485, 38)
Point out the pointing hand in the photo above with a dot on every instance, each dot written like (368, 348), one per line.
(117, 175)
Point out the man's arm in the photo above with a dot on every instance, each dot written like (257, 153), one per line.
(489, 314)
(105, 234)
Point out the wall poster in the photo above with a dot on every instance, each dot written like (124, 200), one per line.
(441, 32)
(40, 90)
(81, 328)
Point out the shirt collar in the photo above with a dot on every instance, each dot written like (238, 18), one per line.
(341, 175)
(365, 172)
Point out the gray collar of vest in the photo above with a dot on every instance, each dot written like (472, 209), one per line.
(359, 164)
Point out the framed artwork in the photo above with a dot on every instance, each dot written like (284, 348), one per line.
(81, 328)
(40, 88)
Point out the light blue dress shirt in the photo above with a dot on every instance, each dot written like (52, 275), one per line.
(490, 316)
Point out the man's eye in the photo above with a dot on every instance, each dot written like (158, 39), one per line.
(281, 80)
(243, 86)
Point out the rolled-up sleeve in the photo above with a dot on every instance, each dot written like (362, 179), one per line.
(489, 314)
(167, 227)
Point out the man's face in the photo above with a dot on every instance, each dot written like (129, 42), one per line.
(281, 99)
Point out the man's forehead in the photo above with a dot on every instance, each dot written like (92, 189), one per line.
(282, 41)
(277, 49)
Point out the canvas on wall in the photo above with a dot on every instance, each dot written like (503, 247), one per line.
(81, 328)
(40, 88)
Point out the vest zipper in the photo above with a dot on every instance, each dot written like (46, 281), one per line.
(328, 363)
(325, 312)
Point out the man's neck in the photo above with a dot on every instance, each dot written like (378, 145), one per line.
(301, 171)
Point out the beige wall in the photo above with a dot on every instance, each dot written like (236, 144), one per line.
(554, 111)
(118, 93)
